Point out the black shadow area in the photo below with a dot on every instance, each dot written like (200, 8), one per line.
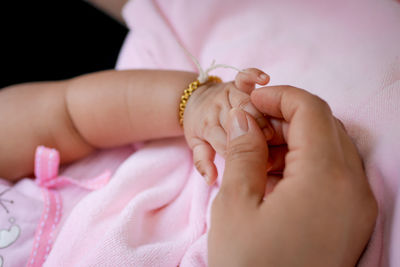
(53, 40)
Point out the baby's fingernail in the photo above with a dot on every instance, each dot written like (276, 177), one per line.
(208, 179)
(238, 125)
(263, 77)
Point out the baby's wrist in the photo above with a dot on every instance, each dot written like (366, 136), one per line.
(194, 90)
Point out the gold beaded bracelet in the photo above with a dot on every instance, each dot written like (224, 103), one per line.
(189, 91)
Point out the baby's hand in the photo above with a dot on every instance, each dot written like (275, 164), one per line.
(206, 114)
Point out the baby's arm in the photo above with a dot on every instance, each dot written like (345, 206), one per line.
(113, 8)
(99, 110)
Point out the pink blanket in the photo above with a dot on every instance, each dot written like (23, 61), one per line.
(154, 211)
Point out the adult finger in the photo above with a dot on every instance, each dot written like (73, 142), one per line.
(311, 126)
(245, 165)
(239, 99)
(341, 124)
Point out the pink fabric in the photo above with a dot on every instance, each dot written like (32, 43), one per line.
(156, 220)
(47, 162)
(44, 236)
(155, 210)
(18, 221)
(38, 208)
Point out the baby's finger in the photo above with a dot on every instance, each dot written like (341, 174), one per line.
(203, 158)
(246, 80)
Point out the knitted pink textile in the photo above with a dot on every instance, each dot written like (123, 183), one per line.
(33, 211)
(154, 211)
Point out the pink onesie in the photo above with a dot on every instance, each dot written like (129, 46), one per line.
(33, 210)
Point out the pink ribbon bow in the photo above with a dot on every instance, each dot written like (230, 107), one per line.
(47, 163)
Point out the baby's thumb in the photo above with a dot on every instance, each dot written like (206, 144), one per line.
(246, 158)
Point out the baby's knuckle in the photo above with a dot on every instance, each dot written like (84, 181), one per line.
(205, 127)
(243, 102)
(228, 88)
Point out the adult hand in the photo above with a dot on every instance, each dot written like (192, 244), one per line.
(321, 213)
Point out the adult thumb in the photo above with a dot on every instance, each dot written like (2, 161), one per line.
(246, 159)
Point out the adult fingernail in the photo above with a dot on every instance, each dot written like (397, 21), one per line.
(239, 125)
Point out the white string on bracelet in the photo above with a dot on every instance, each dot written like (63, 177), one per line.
(203, 74)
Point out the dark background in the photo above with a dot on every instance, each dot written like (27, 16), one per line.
(52, 40)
